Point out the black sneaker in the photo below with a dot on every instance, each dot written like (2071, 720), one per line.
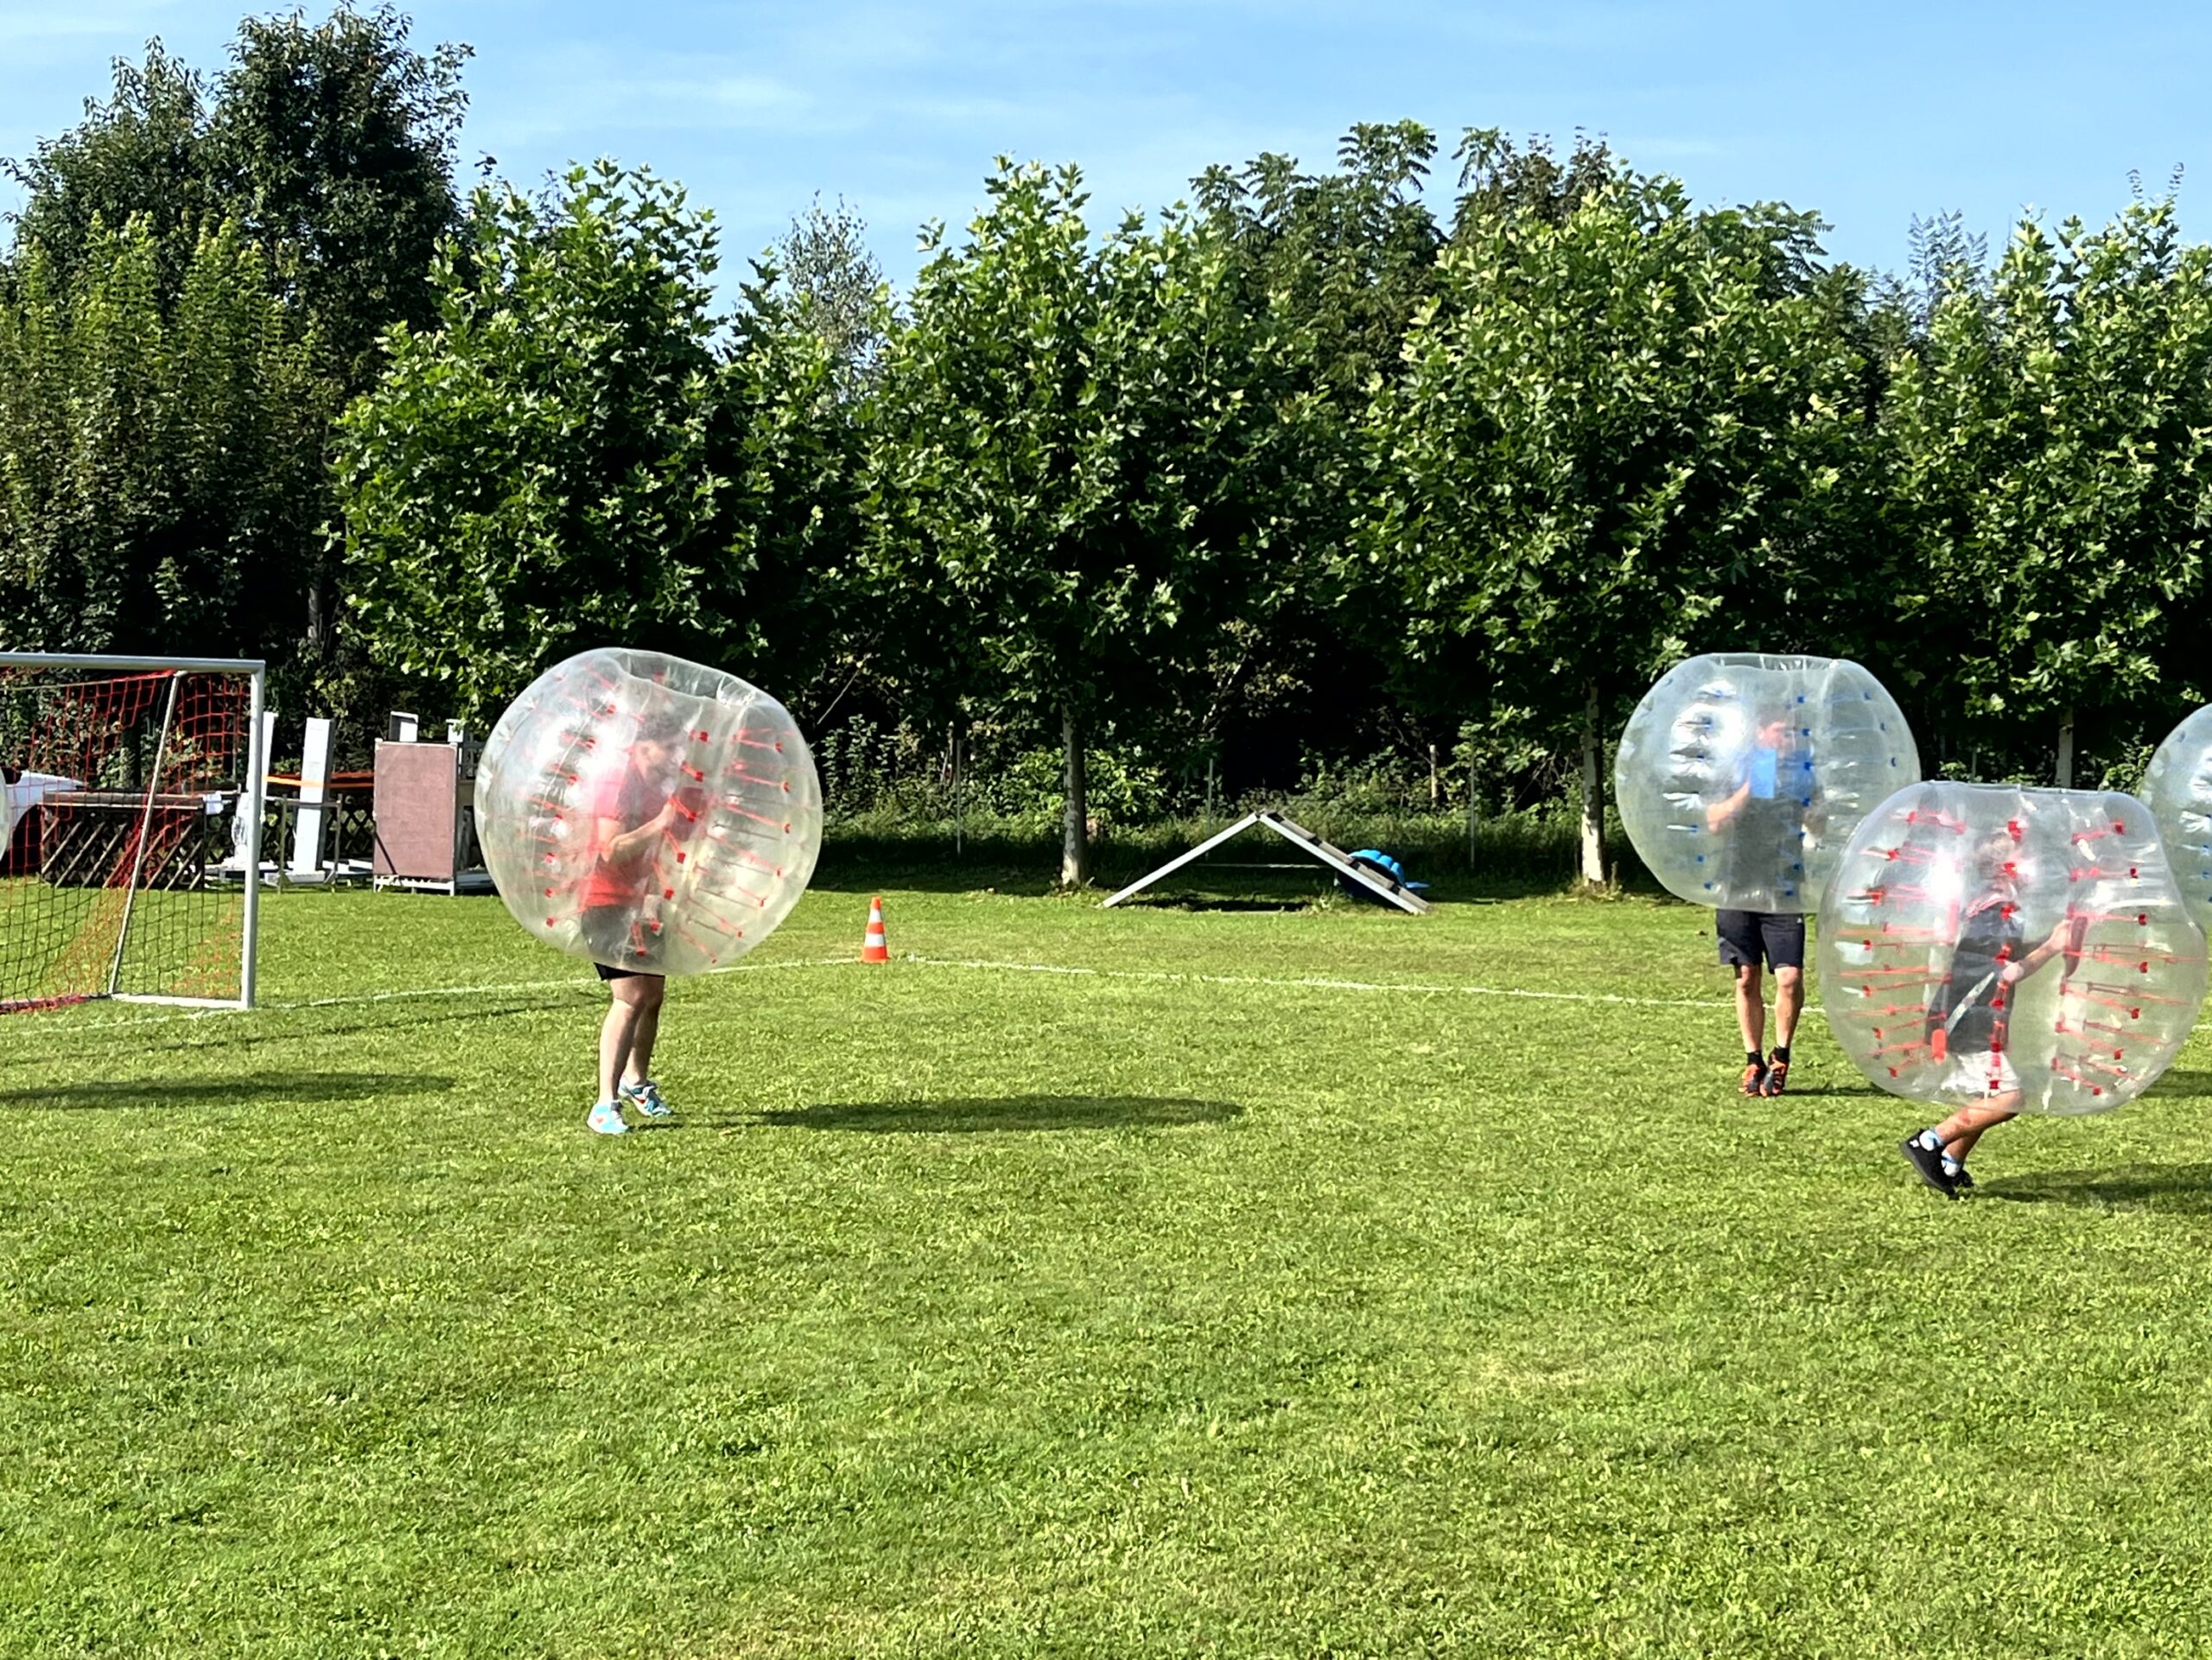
(1928, 1161)
(1754, 1078)
(1777, 1076)
(1963, 1180)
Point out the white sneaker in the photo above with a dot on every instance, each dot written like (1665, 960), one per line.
(606, 1119)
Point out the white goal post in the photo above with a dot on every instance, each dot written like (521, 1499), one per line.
(134, 788)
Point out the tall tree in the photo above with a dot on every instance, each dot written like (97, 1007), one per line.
(822, 275)
(787, 438)
(334, 143)
(1614, 425)
(161, 453)
(1332, 264)
(142, 155)
(535, 474)
(2055, 454)
(1347, 254)
(1061, 431)
(331, 143)
(328, 147)
(1502, 181)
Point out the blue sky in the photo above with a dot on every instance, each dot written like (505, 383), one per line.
(1868, 114)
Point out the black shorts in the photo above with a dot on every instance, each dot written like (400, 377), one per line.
(607, 931)
(1746, 936)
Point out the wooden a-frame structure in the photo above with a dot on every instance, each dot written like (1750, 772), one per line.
(1335, 858)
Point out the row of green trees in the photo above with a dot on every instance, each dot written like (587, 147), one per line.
(1298, 448)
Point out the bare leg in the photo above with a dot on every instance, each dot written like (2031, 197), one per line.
(646, 1031)
(1964, 1127)
(1750, 1006)
(618, 1034)
(1788, 1003)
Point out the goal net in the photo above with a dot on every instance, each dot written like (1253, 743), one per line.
(131, 800)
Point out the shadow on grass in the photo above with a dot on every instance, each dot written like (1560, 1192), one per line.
(2184, 1188)
(2183, 1080)
(260, 1089)
(1016, 1112)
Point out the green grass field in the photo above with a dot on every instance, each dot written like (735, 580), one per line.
(1082, 1283)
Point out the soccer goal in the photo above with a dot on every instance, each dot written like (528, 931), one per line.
(130, 809)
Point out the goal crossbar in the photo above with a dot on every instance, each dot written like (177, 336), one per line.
(251, 803)
(101, 660)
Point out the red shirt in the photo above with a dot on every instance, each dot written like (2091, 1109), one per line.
(630, 799)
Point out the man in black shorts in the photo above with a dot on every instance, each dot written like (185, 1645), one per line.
(1746, 936)
(1764, 834)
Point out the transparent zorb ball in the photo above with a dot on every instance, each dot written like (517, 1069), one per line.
(2028, 949)
(648, 813)
(1740, 777)
(2179, 790)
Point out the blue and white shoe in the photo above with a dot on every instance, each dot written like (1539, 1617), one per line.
(606, 1119)
(646, 1097)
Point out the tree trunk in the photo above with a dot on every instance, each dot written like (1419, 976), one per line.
(1593, 794)
(2066, 750)
(1075, 829)
(1474, 801)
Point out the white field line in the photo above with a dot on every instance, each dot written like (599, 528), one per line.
(1317, 983)
(983, 966)
(361, 999)
(518, 986)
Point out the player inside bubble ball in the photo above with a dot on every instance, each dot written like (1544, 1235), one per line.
(633, 815)
(1763, 818)
(1969, 1015)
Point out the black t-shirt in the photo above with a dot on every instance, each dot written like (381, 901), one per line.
(1990, 936)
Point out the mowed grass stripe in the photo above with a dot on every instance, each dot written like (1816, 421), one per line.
(79, 1023)
(1024, 1313)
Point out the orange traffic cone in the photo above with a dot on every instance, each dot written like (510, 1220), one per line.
(875, 948)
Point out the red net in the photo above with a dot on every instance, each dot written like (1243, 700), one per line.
(122, 871)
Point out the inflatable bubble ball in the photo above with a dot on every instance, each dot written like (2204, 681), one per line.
(2028, 949)
(2179, 790)
(648, 813)
(1740, 777)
